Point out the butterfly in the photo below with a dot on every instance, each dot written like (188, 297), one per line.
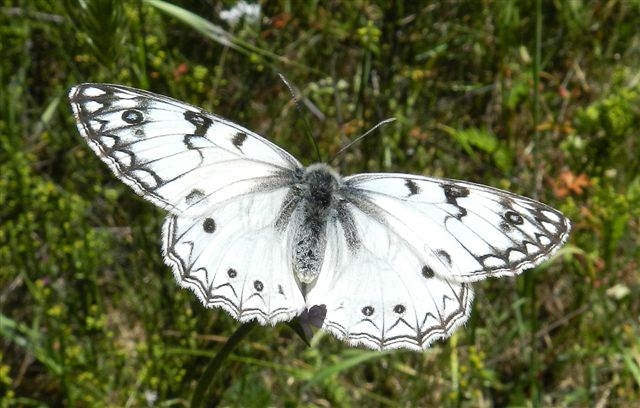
(383, 260)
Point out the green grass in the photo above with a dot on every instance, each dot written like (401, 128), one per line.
(543, 101)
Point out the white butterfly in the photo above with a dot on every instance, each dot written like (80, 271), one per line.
(382, 259)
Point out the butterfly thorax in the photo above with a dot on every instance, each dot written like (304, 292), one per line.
(317, 193)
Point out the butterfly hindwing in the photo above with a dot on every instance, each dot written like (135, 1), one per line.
(233, 258)
(388, 298)
(177, 156)
(463, 231)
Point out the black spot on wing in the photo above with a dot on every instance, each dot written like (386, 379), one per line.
(209, 225)
(201, 122)
(399, 309)
(412, 186)
(259, 286)
(444, 256)
(132, 116)
(427, 272)
(367, 310)
(194, 196)
(238, 140)
(513, 218)
(452, 193)
(232, 273)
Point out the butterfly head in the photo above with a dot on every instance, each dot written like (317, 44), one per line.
(320, 183)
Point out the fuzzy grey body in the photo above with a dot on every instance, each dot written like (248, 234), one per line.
(317, 192)
(318, 196)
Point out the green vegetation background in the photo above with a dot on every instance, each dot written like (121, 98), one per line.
(541, 98)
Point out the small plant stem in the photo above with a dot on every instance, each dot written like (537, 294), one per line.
(209, 374)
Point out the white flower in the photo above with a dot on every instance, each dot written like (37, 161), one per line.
(250, 12)
(151, 397)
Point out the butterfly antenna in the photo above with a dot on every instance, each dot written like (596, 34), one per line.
(304, 118)
(357, 139)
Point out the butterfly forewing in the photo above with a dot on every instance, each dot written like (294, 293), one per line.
(463, 231)
(177, 156)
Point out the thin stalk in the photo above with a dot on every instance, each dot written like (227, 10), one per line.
(530, 283)
(198, 399)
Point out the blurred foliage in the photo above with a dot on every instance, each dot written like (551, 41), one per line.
(89, 314)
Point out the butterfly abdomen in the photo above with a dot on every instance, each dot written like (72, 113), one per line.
(317, 190)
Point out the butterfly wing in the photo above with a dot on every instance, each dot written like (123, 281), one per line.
(408, 248)
(234, 258)
(386, 297)
(222, 184)
(175, 155)
(463, 231)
